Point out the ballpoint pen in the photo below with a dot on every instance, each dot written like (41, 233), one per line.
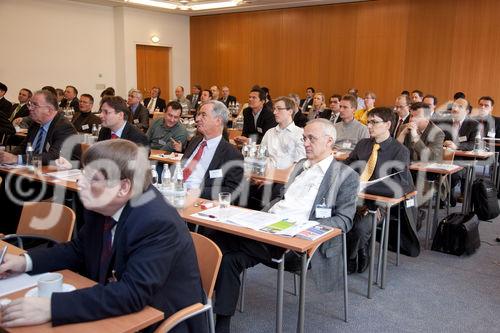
(208, 215)
(2, 255)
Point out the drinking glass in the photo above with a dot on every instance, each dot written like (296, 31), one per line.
(224, 204)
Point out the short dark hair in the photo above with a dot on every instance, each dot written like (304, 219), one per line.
(405, 92)
(88, 96)
(434, 98)
(337, 96)
(406, 98)
(174, 105)
(418, 92)
(59, 92)
(266, 90)
(159, 90)
(74, 89)
(118, 104)
(51, 89)
(351, 99)
(458, 95)
(28, 91)
(262, 94)
(289, 103)
(384, 113)
(3, 87)
(421, 105)
(209, 92)
(197, 86)
(487, 98)
(109, 91)
(311, 88)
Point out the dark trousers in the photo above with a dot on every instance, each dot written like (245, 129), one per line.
(358, 237)
(238, 254)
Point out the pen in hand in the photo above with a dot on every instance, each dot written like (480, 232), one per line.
(2, 255)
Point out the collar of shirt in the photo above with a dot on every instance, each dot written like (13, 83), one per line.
(403, 119)
(47, 125)
(116, 217)
(324, 164)
(289, 128)
(120, 130)
(213, 143)
(133, 108)
(162, 124)
(384, 144)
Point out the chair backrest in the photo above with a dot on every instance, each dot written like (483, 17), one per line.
(209, 259)
(47, 219)
(448, 156)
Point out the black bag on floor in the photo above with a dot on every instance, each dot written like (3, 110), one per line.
(457, 234)
(484, 199)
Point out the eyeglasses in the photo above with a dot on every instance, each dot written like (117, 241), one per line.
(374, 122)
(33, 106)
(279, 109)
(311, 138)
(397, 107)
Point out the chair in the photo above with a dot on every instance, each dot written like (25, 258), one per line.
(209, 259)
(44, 220)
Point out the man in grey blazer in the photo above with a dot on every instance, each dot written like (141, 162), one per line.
(331, 186)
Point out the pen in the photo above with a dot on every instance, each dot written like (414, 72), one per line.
(208, 215)
(4, 250)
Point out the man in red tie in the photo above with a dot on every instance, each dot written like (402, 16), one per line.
(402, 108)
(211, 164)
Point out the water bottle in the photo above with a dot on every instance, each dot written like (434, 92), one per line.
(166, 183)
(29, 156)
(478, 144)
(154, 176)
(178, 181)
(95, 132)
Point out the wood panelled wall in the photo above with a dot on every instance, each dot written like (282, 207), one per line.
(437, 46)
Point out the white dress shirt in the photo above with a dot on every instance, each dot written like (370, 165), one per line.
(119, 131)
(196, 177)
(285, 145)
(299, 198)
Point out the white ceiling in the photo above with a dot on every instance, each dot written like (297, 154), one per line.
(249, 5)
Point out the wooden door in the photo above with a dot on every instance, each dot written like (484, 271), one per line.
(153, 69)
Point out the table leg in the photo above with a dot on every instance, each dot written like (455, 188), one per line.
(398, 236)
(372, 254)
(344, 255)
(385, 249)
(279, 296)
(302, 293)
(429, 209)
(436, 209)
(380, 252)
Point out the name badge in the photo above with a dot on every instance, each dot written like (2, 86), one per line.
(162, 142)
(462, 139)
(136, 121)
(309, 106)
(85, 127)
(410, 203)
(346, 145)
(323, 212)
(259, 130)
(491, 134)
(215, 173)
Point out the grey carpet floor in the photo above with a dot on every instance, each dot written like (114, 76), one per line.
(434, 292)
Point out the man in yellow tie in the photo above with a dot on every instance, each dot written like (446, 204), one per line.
(379, 156)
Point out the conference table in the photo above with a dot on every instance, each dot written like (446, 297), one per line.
(305, 248)
(121, 324)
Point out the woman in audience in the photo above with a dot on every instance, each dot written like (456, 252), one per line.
(361, 115)
(319, 109)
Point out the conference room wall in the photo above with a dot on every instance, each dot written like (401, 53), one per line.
(385, 46)
(59, 42)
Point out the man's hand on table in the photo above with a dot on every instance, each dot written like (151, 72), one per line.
(7, 158)
(12, 264)
(26, 311)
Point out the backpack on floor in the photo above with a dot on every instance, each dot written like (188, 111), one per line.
(457, 234)
(484, 199)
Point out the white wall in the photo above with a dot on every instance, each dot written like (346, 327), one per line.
(60, 42)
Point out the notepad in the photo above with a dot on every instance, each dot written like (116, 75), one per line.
(18, 282)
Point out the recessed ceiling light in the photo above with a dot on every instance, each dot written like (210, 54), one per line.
(155, 39)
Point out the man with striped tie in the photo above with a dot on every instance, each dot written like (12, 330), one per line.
(379, 156)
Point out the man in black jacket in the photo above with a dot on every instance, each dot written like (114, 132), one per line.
(257, 119)
(155, 102)
(21, 109)
(5, 105)
(70, 99)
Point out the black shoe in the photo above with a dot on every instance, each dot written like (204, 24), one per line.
(363, 259)
(222, 324)
(352, 265)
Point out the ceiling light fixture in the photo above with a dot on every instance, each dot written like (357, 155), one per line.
(185, 5)
(216, 5)
(152, 3)
(155, 39)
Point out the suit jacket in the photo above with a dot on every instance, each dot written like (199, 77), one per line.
(59, 130)
(74, 103)
(394, 124)
(339, 189)
(194, 102)
(130, 133)
(153, 260)
(308, 106)
(160, 103)
(226, 158)
(230, 99)
(140, 118)
(5, 106)
(23, 111)
(6, 128)
(324, 114)
(466, 134)
(300, 119)
(429, 147)
(83, 122)
(265, 122)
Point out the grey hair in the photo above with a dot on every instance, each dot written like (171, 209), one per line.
(328, 128)
(296, 99)
(219, 109)
(135, 91)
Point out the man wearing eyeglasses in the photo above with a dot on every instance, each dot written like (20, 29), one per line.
(139, 115)
(379, 156)
(85, 119)
(319, 189)
(47, 133)
(402, 109)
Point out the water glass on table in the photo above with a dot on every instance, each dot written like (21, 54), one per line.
(37, 162)
(224, 204)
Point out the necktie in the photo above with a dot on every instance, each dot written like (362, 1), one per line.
(114, 136)
(192, 165)
(107, 246)
(13, 115)
(456, 128)
(151, 105)
(304, 107)
(397, 127)
(370, 165)
(38, 145)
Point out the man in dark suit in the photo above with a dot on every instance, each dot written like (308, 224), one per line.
(211, 164)
(257, 119)
(402, 115)
(114, 115)
(133, 244)
(155, 103)
(21, 109)
(489, 125)
(5, 104)
(317, 180)
(47, 133)
(335, 108)
(194, 97)
(6, 128)
(138, 115)
(306, 103)
(85, 119)
(226, 98)
(70, 99)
